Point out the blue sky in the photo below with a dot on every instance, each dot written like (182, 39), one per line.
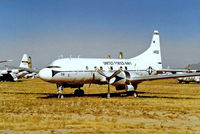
(45, 29)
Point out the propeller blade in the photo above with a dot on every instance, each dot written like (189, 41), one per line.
(109, 78)
(114, 74)
(100, 72)
(108, 95)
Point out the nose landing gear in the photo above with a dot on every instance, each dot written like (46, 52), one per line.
(60, 89)
(78, 92)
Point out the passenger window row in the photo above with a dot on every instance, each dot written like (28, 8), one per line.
(111, 68)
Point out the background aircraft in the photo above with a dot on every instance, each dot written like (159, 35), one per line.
(124, 74)
(13, 73)
(5, 61)
(187, 80)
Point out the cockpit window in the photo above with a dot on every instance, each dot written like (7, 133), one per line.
(53, 67)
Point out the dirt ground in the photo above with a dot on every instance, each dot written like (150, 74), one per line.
(164, 106)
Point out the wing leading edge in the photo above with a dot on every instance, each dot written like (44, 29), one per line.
(157, 77)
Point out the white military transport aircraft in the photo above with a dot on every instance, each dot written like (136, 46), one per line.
(124, 74)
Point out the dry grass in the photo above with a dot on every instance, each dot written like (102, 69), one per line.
(163, 106)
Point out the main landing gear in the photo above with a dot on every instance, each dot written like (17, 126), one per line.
(79, 92)
(135, 94)
(132, 92)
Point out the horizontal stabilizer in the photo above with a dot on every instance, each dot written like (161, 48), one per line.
(5, 61)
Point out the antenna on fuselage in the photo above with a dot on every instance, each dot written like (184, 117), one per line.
(121, 55)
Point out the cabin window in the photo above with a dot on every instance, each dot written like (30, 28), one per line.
(121, 67)
(126, 68)
(154, 42)
(111, 68)
(101, 68)
(86, 67)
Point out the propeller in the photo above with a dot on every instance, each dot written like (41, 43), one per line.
(108, 78)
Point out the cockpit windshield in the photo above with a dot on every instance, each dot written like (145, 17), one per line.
(53, 67)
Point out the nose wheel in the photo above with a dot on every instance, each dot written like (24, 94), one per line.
(60, 89)
(79, 92)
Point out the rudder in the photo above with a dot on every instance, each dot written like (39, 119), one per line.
(152, 56)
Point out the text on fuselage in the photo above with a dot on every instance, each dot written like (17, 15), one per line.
(116, 63)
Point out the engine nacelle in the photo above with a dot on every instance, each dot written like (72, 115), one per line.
(130, 88)
(120, 79)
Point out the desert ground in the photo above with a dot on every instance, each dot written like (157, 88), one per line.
(163, 106)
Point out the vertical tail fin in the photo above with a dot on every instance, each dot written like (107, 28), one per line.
(26, 61)
(152, 56)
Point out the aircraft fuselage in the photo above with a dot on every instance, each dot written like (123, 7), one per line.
(83, 70)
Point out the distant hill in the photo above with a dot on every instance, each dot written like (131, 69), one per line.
(194, 66)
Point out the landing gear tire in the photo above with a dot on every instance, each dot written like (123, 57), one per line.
(60, 96)
(135, 94)
(79, 92)
(132, 93)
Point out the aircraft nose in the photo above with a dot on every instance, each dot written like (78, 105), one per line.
(45, 74)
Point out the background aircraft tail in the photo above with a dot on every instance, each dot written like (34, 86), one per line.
(152, 56)
(26, 61)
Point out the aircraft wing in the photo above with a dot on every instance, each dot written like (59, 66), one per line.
(5, 61)
(24, 69)
(163, 76)
(174, 70)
